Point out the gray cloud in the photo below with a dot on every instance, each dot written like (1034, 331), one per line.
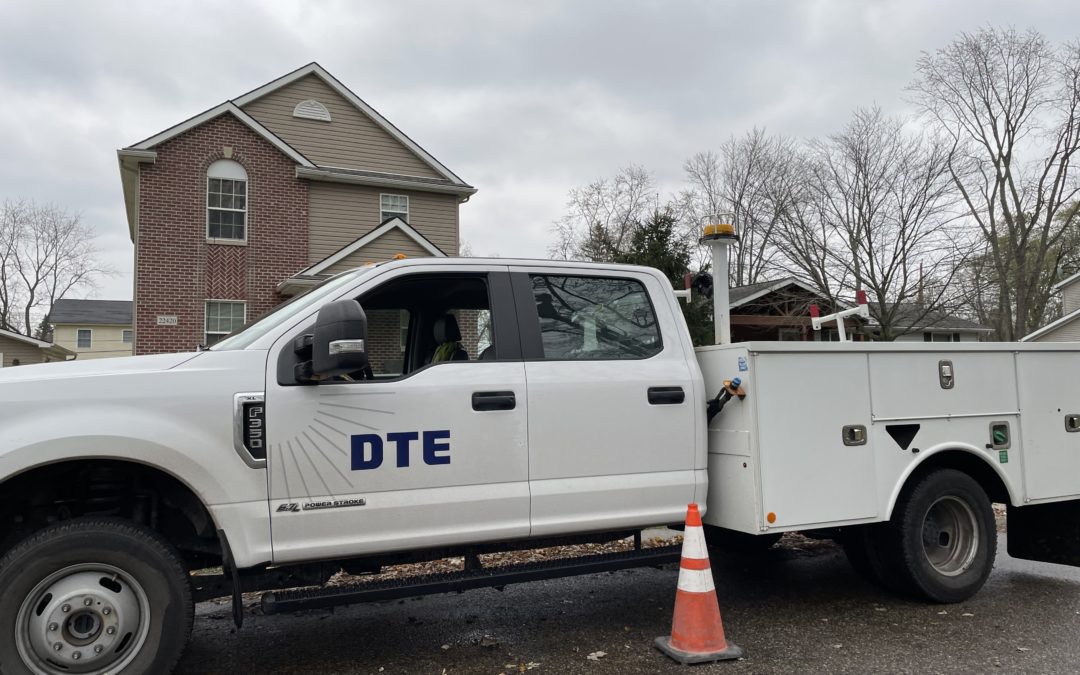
(524, 100)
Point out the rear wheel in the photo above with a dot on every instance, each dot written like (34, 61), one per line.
(93, 596)
(943, 536)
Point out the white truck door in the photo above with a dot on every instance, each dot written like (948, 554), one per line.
(611, 400)
(430, 450)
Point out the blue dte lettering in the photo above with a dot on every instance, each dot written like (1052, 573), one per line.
(433, 450)
(402, 440)
(360, 459)
(367, 449)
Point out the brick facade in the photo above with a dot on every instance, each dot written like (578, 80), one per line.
(176, 269)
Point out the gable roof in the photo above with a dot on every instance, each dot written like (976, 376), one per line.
(1068, 318)
(91, 312)
(343, 91)
(387, 225)
(741, 295)
(28, 340)
(143, 152)
(217, 111)
(1067, 281)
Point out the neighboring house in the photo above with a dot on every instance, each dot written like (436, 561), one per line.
(263, 196)
(1067, 328)
(21, 350)
(937, 326)
(780, 310)
(93, 329)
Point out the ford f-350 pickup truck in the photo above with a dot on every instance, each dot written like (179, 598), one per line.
(418, 409)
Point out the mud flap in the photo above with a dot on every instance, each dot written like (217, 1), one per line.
(1045, 532)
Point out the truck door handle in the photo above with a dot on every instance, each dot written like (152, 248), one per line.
(666, 395)
(493, 400)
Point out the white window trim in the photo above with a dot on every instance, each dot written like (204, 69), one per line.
(1, 359)
(88, 330)
(395, 214)
(206, 312)
(123, 332)
(206, 211)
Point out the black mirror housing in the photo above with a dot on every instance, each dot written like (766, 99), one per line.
(338, 343)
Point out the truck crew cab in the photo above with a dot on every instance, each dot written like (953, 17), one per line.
(417, 409)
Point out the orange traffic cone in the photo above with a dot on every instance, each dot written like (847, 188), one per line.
(697, 633)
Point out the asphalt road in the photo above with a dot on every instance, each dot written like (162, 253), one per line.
(792, 611)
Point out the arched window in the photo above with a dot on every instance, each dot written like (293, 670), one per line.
(226, 201)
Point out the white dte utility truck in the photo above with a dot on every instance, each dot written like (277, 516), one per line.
(419, 409)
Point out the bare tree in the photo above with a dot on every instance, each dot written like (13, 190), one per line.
(601, 216)
(46, 252)
(1009, 103)
(876, 217)
(749, 177)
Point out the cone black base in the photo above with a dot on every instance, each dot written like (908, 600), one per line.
(687, 658)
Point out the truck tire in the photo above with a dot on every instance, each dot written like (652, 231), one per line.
(95, 595)
(868, 552)
(739, 543)
(943, 537)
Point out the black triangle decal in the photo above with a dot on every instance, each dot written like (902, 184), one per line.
(903, 434)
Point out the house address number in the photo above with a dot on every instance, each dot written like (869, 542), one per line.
(166, 321)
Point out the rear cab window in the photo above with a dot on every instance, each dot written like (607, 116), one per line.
(585, 318)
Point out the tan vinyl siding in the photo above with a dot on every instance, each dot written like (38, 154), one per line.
(1067, 332)
(14, 349)
(106, 340)
(384, 248)
(1070, 298)
(351, 139)
(339, 214)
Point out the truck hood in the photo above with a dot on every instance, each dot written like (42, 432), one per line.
(94, 367)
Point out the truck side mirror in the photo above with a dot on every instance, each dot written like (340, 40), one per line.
(338, 343)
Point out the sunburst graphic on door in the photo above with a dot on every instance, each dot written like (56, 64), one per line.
(309, 464)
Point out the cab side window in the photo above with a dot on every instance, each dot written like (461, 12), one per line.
(595, 318)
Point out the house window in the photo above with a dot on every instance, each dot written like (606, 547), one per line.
(226, 201)
(222, 318)
(393, 206)
(127, 336)
(83, 338)
(941, 337)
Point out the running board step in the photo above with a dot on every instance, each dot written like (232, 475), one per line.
(275, 602)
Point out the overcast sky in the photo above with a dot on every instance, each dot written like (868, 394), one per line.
(524, 100)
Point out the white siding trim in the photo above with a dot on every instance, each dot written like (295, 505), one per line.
(217, 111)
(395, 223)
(332, 82)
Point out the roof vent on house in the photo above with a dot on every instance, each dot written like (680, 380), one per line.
(311, 110)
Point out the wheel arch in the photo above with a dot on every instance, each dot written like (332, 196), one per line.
(960, 457)
(52, 491)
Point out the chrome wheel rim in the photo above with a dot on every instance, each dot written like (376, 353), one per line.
(90, 619)
(950, 536)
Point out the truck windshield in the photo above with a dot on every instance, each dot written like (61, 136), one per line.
(250, 332)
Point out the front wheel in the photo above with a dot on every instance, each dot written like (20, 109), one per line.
(944, 536)
(93, 596)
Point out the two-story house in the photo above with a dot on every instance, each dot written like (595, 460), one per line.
(261, 197)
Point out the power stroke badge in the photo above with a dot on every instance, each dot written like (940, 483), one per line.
(293, 507)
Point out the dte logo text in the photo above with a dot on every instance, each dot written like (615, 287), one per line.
(367, 449)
